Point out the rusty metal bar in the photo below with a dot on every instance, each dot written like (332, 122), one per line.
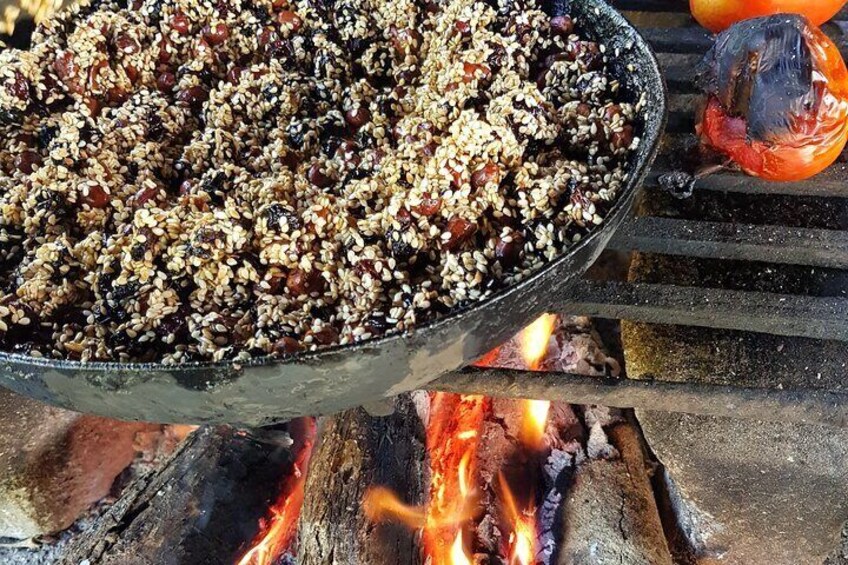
(789, 405)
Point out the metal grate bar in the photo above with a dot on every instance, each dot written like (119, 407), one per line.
(799, 405)
(715, 240)
(830, 183)
(778, 314)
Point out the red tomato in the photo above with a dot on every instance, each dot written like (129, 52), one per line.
(717, 15)
(810, 142)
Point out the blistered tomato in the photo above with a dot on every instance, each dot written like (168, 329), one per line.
(777, 98)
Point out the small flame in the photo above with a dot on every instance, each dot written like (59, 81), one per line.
(381, 505)
(523, 539)
(523, 536)
(281, 526)
(458, 555)
(535, 419)
(534, 340)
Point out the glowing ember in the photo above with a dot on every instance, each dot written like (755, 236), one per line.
(535, 338)
(453, 436)
(281, 526)
(458, 555)
(523, 536)
(523, 541)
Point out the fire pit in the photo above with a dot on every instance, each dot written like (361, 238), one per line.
(460, 478)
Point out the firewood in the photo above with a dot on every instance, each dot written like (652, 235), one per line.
(203, 505)
(357, 451)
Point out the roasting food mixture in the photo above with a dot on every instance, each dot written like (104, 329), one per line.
(205, 180)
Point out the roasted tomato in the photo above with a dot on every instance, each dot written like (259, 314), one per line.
(717, 15)
(777, 98)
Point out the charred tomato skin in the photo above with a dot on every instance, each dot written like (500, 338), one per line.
(807, 140)
(718, 15)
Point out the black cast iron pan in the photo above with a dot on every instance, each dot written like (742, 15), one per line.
(265, 391)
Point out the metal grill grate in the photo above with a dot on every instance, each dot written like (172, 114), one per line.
(679, 45)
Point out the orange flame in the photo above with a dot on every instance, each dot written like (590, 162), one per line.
(458, 555)
(453, 436)
(534, 421)
(534, 340)
(281, 526)
(523, 536)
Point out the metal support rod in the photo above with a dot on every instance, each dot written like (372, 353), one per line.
(804, 406)
(764, 312)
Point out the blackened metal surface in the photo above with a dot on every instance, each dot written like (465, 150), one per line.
(778, 314)
(265, 391)
(774, 244)
(772, 405)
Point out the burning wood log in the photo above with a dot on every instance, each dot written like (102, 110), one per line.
(358, 450)
(201, 506)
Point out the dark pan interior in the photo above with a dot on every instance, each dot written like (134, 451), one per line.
(266, 390)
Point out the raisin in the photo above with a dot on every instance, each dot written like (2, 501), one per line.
(19, 87)
(144, 195)
(166, 82)
(473, 71)
(46, 134)
(462, 27)
(155, 127)
(180, 23)
(276, 212)
(429, 206)
(623, 139)
(234, 75)
(193, 97)
(126, 44)
(325, 336)
(286, 346)
(290, 19)
(401, 250)
(97, 197)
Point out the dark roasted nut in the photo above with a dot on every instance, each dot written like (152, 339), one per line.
(300, 282)
(358, 117)
(488, 173)
(460, 231)
(508, 249)
(27, 162)
(216, 34)
(562, 26)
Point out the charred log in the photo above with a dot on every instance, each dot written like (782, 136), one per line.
(358, 450)
(507, 461)
(203, 505)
